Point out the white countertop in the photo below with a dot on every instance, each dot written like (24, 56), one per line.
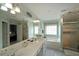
(32, 49)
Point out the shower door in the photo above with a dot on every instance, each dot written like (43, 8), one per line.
(71, 36)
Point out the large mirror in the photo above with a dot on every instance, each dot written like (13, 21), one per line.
(13, 28)
(16, 26)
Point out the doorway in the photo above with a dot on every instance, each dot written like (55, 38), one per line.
(13, 33)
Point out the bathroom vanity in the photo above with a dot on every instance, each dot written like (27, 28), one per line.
(32, 49)
(24, 48)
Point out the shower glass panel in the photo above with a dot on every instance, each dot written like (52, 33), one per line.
(71, 35)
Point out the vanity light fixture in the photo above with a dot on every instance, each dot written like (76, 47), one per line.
(17, 9)
(4, 8)
(12, 12)
(8, 5)
(36, 21)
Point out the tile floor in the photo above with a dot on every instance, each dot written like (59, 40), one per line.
(53, 52)
(48, 51)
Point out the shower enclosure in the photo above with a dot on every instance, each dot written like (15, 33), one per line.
(71, 35)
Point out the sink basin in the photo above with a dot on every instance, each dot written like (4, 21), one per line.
(25, 44)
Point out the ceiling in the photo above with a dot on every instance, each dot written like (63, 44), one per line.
(50, 11)
(47, 11)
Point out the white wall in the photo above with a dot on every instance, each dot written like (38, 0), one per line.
(19, 32)
(2, 16)
(3, 19)
(1, 34)
(30, 29)
(59, 31)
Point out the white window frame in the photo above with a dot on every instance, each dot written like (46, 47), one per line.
(51, 30)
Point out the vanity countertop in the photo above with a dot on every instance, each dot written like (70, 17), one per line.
(32, 49)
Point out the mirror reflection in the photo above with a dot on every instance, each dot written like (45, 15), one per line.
(17, 24)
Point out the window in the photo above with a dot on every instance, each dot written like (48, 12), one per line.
(36, 29)
(51, 29)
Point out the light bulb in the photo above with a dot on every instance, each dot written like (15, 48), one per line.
(36, 21)
(17, 9)
(12, 12)
(4, 8)
(8, 5)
